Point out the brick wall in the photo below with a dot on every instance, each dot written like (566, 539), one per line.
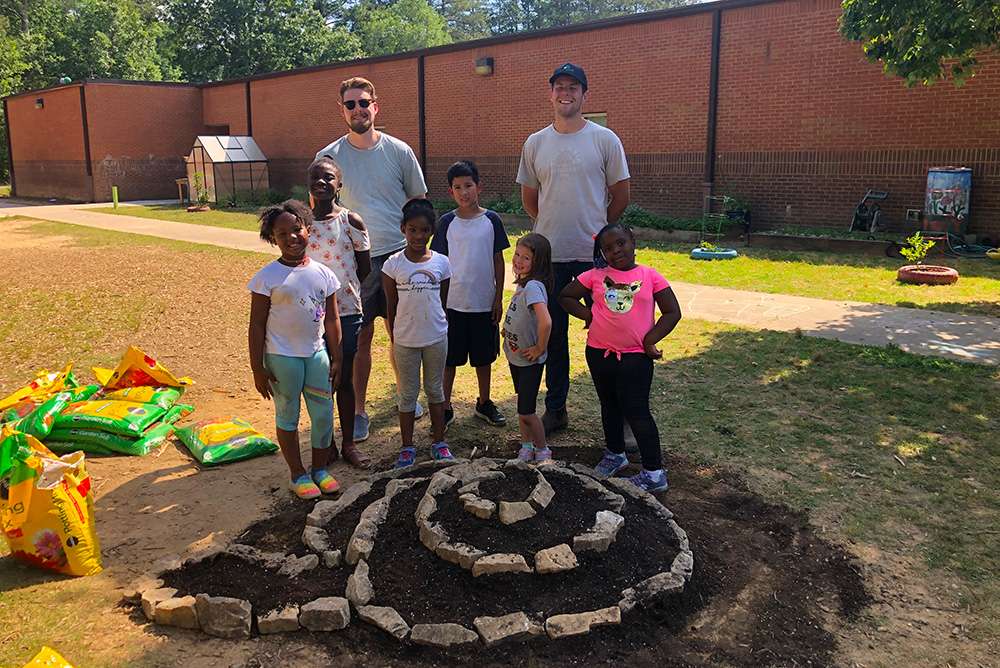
(47, 145)
(139, 135)
(226, 105)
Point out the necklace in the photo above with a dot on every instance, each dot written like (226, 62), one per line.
(295, 263)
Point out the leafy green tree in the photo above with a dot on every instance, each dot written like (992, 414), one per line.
(519, 15)
(400, 26)
(466, 19)
(923, 41)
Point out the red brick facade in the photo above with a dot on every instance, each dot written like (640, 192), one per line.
(805, 126)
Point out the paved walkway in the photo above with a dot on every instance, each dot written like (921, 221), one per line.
(963, 337)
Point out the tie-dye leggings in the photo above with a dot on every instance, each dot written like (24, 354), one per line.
(297, 376)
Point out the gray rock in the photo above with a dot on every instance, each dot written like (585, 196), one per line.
(330, 613)
(223, 616)
(483, 508)
(437, 464)
(333, 558)
(432, 534)
(272, 560)
(359, 587)
(555, 559)
(470, 472)
(210, 553)
(165, 565)
(495, 630)
(482, 476)
(542, 494)
(651, 590)
(386, 619)
(139, 586)
(179, 612)
(245, 552)
(376, 511)
(295, 566)
(500, 563)
(563, 626)
(588, 471)
(623, 486)
(401, 485)
(285, 620)
(459, 553)
(515, 511)
(518, 465)
(682, 537)
(316, 539)
(471, 488)
(324, 511)
(153, 597)
(441, 483)
(683, 564)
(425, 508)
(362, 542)
(599, 538)
(442, 635)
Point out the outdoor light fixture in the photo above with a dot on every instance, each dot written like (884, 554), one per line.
(39, 103)
(484, 67)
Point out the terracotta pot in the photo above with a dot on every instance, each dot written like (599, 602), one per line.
(194, 209)
(927, 274)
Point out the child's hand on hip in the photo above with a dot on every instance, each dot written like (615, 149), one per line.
(651, 350)
(533, 353)
(263, 380)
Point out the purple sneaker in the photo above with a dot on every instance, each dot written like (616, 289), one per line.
(526, 454)
(543, 455)
(406, 457)
(612, 463)
(440, 451)
(642, 480)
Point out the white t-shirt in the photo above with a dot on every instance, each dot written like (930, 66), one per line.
(377, 183)
(298, 306)
(420, 318)
(572, 173)
(470, 244)
(332, 243)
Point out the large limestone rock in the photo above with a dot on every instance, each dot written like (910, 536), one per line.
(515, 511)
(359, 587)
(459, 553)
(563, 626)
(295, 566)
(285, 620)
(606, 527)
(316, 539)
(650, 590)
(223, 616)
(442, 635)
(555, 559)
(153, 597)
(386, 619)
(179, 612)
(324, 511)
(500, 563)
(330, 613)
(495, 630)
(362, 542)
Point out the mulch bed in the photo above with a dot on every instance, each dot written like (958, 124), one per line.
(766, 590)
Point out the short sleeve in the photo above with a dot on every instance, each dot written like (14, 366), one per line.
(439, 242)
(359, 238)
(526, 175)
(413, 178)
(445, 267)
(659, 282)
(587, 279)
(259, 285)
(615, 164)
(389, 267)
(534, 293)
(500, 241)
(332, 282)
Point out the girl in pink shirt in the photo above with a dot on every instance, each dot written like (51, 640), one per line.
(621, 345)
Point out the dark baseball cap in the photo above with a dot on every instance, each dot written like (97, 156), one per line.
(570, 70)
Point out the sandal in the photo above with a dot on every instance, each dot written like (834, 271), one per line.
(357, 458)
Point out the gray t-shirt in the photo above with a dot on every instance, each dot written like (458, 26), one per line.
(520, 325)
(572, 173)
(377, 183)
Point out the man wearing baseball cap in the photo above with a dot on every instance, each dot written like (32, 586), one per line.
(574, 180)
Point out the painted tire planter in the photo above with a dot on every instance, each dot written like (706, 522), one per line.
(721, 254)
(993, 254)
(927, 274)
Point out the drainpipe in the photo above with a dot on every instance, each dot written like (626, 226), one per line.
(249, 113)
(708, 185)
(421, 119)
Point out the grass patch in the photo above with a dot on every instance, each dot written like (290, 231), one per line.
(235, 218)
(5, 190)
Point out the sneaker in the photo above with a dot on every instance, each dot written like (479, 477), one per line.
(440, 451)
(555, 420)
(612, 463)
(418, 412)
(489, 412)
(304, 487)
(361, 423)
(325, 481)
(406, 458)
(543, 455)
(642, 480)
(526, 454)
(449, 417)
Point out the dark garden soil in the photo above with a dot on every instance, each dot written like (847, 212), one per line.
(766, 590)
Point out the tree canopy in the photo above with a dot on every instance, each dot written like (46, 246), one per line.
(923, 41)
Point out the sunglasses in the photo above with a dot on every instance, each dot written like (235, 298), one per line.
(349, 104)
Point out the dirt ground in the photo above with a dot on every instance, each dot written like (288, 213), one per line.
(771, 588)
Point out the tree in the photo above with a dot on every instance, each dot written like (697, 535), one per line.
(401, 26)
(520, 15)
(923, 41)
(466, 19)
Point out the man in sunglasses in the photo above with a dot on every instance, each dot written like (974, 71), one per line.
(380, 174)
(574, 180)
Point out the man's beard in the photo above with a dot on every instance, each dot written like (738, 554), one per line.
(361, 126)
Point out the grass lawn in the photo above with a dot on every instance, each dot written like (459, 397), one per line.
(5, 190)
(884, 450)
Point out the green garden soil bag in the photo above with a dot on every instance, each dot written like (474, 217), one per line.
(177, 412)
(126, 418)
(162, 396)
(78, 446)
(39, 422)
(111, 443)
(224, 440)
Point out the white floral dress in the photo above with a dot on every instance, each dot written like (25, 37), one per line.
(333, 243)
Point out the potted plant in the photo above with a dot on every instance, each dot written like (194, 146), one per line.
(737, 207)
(921, 273)
(708, 251)
(201, 192)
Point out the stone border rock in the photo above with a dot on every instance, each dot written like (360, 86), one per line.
(233, 618)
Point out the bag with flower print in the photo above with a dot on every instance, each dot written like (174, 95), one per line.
(47, 514)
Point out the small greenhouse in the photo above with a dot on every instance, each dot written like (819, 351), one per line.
(228, 164)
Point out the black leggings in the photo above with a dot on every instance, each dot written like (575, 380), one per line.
(623, 388)
(527, 380)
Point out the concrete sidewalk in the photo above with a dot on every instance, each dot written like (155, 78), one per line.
(962, 337)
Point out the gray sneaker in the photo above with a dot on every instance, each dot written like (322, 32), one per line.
(418, 412)
(361, 423)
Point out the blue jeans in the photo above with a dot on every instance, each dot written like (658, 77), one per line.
(557, 363)
(297, 376)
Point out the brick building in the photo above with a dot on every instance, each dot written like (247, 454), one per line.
(762, 96)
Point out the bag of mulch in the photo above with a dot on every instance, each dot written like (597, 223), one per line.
(162, 396)
(49, 658)
(137, 369)
(48, 515)
(78, 446)
(126, 418)
(44, 384)
(39, 422)
(68, 440)
(177, 412)
(224, 440)
(18, 411)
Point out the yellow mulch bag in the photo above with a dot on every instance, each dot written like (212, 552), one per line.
(48, 516)
(44, 385)
(49, 658)
(117, 417)
(137, 369)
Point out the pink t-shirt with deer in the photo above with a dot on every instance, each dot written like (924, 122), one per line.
(624, 309)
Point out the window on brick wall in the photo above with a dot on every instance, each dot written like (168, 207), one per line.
(599, 117)
(217, 130)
